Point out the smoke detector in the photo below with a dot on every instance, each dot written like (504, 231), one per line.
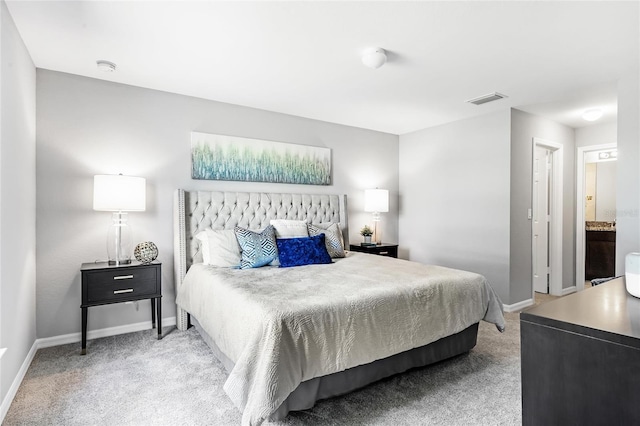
(374, 57)
(486, 98)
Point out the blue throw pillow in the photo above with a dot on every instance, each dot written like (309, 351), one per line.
(302, 251)
(258, 249)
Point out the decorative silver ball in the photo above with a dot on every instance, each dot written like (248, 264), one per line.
(146, 252)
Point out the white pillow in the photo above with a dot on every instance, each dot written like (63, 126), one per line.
(333, 237)
(219, 248)
(290, 228)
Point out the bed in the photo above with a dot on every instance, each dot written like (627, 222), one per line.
(291, 336)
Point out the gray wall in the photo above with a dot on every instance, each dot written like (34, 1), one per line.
(525, 127)
(17, 203)
(597, 134)
(628, 179)
(454, 192)
(87, 126)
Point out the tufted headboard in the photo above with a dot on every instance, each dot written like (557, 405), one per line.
(195, 211)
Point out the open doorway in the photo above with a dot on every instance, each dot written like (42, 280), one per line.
(595, 212)
(546, 215)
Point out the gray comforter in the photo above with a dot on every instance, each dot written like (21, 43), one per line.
(282, 326)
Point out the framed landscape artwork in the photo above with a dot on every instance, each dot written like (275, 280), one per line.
(219, 157)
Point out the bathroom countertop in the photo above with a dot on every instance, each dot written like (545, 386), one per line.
(600, 226)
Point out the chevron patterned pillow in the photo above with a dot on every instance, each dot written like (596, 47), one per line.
(258, 249)
(333, 238)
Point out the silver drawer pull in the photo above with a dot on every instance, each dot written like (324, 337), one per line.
(123, 277)
(129, 290)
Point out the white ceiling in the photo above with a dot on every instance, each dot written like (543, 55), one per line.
(303, 58)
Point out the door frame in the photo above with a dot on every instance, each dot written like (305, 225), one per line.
(580, 222)
(555, 224)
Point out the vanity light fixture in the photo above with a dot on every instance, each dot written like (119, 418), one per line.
(106, 66)
(374, 57)
(592, 114)
(608, 155)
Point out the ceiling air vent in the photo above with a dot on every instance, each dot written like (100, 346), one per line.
(486, 98)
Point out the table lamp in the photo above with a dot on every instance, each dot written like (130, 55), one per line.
(119, 194)
(376, 201)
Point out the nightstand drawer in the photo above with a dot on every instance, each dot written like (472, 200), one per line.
(105, 292)
(121, 276)
(104, 284)
(389, 250)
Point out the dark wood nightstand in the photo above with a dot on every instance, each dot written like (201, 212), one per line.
(390, 250)
(103, 284)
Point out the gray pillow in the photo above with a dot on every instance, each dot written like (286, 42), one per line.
(332, 237)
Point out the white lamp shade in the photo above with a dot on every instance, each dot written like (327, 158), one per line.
(376, 200)
(119, 193)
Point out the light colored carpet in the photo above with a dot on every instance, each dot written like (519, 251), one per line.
(134, 379)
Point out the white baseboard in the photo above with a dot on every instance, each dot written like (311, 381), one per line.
(48, 342)
(568, 290)
(13, 390)
(518, 306)
(104, 332)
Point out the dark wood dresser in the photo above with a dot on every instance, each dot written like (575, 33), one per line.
(581, 359)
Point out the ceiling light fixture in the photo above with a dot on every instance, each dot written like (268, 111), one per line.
(592, 114)
(374, 57)
(106, 66)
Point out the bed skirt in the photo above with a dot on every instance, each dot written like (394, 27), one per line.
(316, 389)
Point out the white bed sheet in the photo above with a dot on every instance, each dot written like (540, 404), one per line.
(282, 326)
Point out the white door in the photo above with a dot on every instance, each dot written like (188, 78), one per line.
(541, 216)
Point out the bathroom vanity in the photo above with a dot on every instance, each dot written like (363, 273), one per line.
(600, 250)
